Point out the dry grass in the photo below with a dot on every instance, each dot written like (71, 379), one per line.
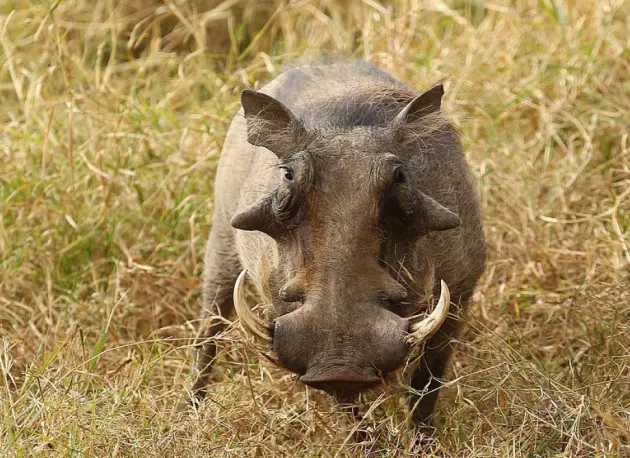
(111, 123)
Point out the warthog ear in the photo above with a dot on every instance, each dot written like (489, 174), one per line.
(270, 124)
(434, 216)
(424, 104)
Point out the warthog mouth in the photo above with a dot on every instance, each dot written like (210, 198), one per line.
(420, 330)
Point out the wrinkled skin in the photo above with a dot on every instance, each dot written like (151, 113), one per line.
(365, 187)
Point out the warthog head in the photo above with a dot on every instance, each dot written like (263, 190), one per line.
(346, 206)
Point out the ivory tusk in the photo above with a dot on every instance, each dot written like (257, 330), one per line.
(252, 322)
(421, 331)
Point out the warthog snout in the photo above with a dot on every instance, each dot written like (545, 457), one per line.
(337, 349)
(337, 358)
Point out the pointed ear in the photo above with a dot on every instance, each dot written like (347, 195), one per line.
(424, 104)
(270, 124)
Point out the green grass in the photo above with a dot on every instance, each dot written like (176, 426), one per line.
(113, 116)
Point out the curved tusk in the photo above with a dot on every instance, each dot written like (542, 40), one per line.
(420, 332)
(252, 322)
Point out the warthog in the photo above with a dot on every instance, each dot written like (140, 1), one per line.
(347, 197)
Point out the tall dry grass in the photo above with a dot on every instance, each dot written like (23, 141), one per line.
(113, 114)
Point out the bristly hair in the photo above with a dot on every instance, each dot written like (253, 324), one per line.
(343, 108)
(358, 106)
(368, 106)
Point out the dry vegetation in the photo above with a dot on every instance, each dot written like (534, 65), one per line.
(111, 123)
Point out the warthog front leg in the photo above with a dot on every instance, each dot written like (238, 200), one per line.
(205, 347)
(221, 268)
(428, 377)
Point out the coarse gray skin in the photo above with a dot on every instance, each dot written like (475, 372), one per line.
(350, 241)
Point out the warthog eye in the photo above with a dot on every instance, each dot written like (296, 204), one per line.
(398, 203)
(288, 173)
(399, 175)
(286, 200)
(402, 192)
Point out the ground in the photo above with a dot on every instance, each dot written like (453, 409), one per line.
(112, 120)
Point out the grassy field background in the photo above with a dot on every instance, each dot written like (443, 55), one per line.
(112, 115)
